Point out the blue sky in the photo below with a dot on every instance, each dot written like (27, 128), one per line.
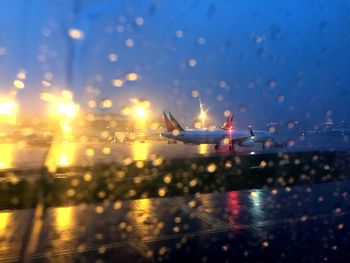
(265, 60)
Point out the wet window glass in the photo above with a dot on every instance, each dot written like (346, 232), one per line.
(167, 131)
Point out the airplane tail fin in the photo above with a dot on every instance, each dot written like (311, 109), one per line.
(228, 123)
(252, 134)
(170, 122)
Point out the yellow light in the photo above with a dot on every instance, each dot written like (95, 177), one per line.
(4, 220)
(45, 96)
(90, 152)
(106, 103)
(140, 112)
(8, 108)
(117, 83)
(63, 218)
(8, 111)
(203, 113)
(131, 76)
(203, 149)
(211, 168)
(64, 110)
(162, 191)
(66, 154)
(144, 211)
(125, 111)
(106, 150)
(6, 155)
(67, 95)
(76, 34)
(202, 117)
(63, 105)
(61, 154)
(140, 151)
(18, 84)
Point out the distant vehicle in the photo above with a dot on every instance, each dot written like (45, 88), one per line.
(226, 135)
(120, 137)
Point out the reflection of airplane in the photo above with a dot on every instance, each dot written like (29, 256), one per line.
(226, 135)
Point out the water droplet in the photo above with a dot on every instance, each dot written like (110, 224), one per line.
(76, 33)
(211, 168)
(201, 41)
(129, 42)
(227, 113)
(131, 76)
(112, 57)
(280, 98)
(192, 62)
(328, 113)
(195, 93)
(242, 108)
(18, 84)
(222, 84)
(117, 83)
(179, 34)
(106, 103)
(139, 21)
(271, 83)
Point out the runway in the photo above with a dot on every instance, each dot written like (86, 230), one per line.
(19, 156)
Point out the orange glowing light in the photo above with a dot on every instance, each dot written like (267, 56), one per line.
(8, 110)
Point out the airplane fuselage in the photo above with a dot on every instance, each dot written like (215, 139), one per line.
(206, 136)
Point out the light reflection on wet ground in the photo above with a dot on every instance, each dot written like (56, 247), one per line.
(140, 150)
(152, 228)
(13, 225)
(6, 159)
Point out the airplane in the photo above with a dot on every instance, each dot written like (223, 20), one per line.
(225, 135)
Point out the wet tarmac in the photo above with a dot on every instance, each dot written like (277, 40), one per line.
(301, 223)
(269, 222)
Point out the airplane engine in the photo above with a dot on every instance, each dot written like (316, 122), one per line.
(247, 143)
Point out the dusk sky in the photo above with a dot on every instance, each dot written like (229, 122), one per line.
(266, 61)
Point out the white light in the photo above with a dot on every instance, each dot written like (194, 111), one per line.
(67, 109)
(140, 112)
(8, 108)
